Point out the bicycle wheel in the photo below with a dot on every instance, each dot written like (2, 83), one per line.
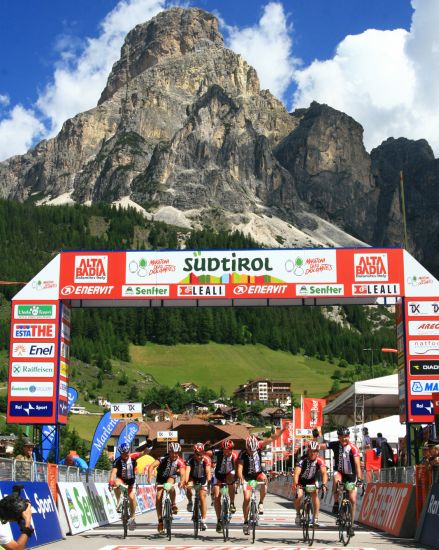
(125, 516)
(167, 519)
(196, 516)
(345, 522)
(310, 521)
(253, 520)
(225, 518)
(305, 520)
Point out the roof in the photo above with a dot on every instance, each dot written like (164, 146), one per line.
(380, 397)
(272, 410)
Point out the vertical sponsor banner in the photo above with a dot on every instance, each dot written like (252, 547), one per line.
(102, 434)
(33, 362)
(52, 478)
(401, 361)
(422, 357)
(64, 363)
(127, 435)
(49, 430)
(313, 412)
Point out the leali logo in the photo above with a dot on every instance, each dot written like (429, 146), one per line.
(91, 269)
(370, 267)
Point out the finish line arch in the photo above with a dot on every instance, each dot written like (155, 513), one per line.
(41, 311)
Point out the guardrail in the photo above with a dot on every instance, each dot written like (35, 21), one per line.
(12, 469)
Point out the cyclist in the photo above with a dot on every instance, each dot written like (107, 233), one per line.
(168, 467)
(124, 473)
(226, 460)
(305, 473)
(347, 466)
(198, 471)
(249, 467)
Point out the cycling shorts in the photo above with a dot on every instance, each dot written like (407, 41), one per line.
(222, 478)
(345, 478)
(130, 482)
(199, 480)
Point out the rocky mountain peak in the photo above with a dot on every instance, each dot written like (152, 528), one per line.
(172, 33)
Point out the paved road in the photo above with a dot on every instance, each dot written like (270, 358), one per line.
(275, 530)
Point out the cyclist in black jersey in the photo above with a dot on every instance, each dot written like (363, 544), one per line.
(198, 472)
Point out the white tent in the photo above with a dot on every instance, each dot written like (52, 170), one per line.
(366, 400)
(390, 427)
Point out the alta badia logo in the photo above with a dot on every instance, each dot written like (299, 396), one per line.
(91, 269)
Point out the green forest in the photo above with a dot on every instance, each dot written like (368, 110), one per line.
(30, 236)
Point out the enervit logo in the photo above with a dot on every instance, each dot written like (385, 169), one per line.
(424, 387)
(418, 309)
(424, 328)
(319, 290)
(201, 290)
(384, 505)
(424, 347)
(82, 290)
(376, 290)
(35, 311)
(278, 289)
(35, 389)
(34, 370)
(30, 408)
(370, 267)
(140, 291)
(426, 368)
(91, 269)
(37, 349)
(40, 330)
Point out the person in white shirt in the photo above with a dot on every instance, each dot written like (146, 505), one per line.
(6, 539)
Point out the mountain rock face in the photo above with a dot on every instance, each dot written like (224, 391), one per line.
(183, 131)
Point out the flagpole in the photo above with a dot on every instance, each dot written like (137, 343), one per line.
(294, 436)
(301, 424)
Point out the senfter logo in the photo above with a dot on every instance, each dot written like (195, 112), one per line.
(91, 269)
(370, 267)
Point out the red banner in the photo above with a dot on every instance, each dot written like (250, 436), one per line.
(313, 412)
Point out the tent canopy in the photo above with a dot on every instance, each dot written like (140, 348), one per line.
(380, 396)
(390, 427)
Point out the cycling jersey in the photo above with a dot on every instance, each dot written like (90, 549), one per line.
(169, 468)
(126, 468)
(224, 464)
(251, 463)
(309, 469)
(344, 457)
(198, 469)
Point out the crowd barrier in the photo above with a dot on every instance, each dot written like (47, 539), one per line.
(428, 527)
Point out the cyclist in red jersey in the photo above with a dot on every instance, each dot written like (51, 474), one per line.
(226, 459)
(347, 466)
(168, 467)
(198, 471)
(305, 473)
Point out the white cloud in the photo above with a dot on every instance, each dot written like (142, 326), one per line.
(78, 79)
(386, 80)
(4, 100)
(18, 131)
(267, 47)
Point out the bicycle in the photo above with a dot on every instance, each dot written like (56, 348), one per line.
(226, 515)
(124, 506)
(196, 514)
(166, 509)
(253, 516)
(344, 514)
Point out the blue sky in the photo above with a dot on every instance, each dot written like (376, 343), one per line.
(377, 60)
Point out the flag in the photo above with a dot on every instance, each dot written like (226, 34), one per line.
(126, 436)
(102, 434)
(313, 412)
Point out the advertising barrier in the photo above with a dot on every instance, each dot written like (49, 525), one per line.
(389, 507)
(44, 513)
(428, 530)
(89, 505)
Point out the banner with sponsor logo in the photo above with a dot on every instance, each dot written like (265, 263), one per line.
(313, 412)
(49, 430)
(127, 435)
(44, 513)
(102, 434)
(389, 507)
(428, 531)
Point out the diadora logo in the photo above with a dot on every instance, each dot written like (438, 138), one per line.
(370, 267)
(33, 350)
(40, 330)
(91, 269)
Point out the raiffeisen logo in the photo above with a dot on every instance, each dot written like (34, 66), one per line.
(370, 267)
(232, 264)
(91, 269)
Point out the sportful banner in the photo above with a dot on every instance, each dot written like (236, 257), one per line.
(44, 514)
(49, 431)
(102, 434)
(127, 435)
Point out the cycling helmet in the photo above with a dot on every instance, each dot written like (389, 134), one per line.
(227, 444)
(175, 447)
(124, 448)
(252, 443)
(199, 448)
(342, 430)
(314, 446)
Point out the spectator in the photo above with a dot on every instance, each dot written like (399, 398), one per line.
(366, 439)
(26, 459)
(6, 539)
(72, 459)
(434, 455)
